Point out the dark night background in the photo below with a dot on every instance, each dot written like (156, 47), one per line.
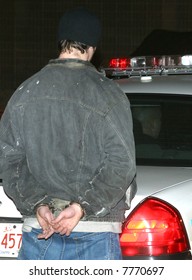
(28, 31)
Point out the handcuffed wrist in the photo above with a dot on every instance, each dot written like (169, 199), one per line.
(39, 205)
(79, 205)
(53, 207)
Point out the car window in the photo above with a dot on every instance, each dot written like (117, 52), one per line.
(162, 126)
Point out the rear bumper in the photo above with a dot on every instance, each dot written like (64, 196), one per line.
(180, 256)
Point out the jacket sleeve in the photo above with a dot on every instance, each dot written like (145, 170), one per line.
(117, 172)
(10, 143)
(13, 162)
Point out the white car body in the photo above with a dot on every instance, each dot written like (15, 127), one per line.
(7, 207)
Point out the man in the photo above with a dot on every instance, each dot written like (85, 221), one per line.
(67, 152)
(149, 118)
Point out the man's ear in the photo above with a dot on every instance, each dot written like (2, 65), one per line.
(90, 52)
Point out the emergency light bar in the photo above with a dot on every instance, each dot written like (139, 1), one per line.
(149, 65)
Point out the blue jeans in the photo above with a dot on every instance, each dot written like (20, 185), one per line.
(77, 246)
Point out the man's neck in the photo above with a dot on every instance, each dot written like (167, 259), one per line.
(76, 54)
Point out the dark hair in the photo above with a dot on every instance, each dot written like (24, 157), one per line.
(66, 45)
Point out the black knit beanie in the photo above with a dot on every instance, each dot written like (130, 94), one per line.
(80, 25)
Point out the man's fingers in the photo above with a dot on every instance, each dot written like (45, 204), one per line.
(62, 228)
(47, 232)
(68, 232)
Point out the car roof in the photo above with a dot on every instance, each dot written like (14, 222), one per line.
(169, 84)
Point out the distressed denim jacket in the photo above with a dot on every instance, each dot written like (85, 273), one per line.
(67, 133)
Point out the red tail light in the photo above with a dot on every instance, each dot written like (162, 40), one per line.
(154, 228)
(121, 63)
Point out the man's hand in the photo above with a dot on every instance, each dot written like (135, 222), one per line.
(67, 219)
(45, 218)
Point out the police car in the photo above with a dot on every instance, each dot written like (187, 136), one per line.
(159, 223)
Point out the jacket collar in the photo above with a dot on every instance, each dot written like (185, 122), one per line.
(71, 61)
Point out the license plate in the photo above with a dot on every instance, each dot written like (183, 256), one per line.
(10, 239)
